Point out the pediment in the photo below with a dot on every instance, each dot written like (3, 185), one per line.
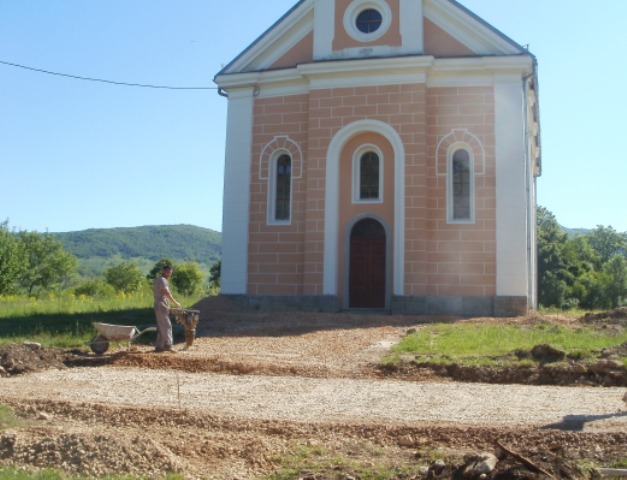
(438, 28)
(280, 41)
(468, 29)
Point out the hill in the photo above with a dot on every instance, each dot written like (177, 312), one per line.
(97, 249)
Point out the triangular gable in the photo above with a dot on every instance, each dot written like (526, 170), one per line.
(449, 29)
(276, 43)
(469, 30)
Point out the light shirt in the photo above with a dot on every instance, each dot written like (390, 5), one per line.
(160, 288)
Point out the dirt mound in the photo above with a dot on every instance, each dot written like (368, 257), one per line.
(618, 316)
(16, 359)
(100, 439)
(86, 453)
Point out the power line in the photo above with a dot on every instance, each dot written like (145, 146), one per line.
(125, 84)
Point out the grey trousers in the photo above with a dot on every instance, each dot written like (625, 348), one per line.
(164, 328)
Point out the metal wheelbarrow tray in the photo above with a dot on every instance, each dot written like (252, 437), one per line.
(114, 333)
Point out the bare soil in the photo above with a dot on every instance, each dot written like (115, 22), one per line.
(258, 389)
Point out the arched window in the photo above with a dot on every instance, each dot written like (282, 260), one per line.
(367, 175)
(461, 204)
(283, 188)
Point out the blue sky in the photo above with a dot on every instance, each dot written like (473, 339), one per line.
(77, 154)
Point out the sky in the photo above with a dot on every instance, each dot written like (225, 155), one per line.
(77, 154)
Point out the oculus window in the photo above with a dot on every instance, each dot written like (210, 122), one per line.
(367, 20)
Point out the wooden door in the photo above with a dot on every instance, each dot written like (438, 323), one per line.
(367, 269)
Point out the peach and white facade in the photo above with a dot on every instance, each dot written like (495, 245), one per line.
(381, 154)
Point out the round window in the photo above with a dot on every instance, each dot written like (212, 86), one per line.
(369, 21)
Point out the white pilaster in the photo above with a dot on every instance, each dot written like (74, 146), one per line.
(236, 205)
(511, 191)
(324, 28)
(412, 26)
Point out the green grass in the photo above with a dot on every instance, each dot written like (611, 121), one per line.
(490, 344)
(8, 418)
(65, 321)
(321, 460)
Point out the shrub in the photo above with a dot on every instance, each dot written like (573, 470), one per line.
(95, 289)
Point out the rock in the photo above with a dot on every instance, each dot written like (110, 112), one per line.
(406, 441)
(547, 353)
(437, 467)
(480, 465)
(44, 416)
(605, 366)
(8, 362)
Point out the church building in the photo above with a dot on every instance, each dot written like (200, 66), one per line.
(381, 155)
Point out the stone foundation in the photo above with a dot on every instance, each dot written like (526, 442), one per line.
(462, 306)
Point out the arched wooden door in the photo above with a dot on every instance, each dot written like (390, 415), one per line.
(367, 271)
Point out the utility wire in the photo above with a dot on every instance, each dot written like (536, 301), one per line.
(76, 77)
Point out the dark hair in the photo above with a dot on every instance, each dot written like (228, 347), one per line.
(166, 267)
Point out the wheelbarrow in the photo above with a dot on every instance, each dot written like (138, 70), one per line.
(114, 333)
(188, 319)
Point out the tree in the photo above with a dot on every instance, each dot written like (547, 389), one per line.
(214, 273)
(94, 288)
(552, 267)
(46, 265)
(607, 242)
(125, 277)
(11, 259)
(187, 278)
(156, 270)
(616, 289)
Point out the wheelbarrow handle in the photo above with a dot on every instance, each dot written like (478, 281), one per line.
(140, 333)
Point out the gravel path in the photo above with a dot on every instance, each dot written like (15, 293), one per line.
(256, 388)
(328, 400)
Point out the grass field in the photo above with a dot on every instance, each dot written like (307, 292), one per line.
(66, 321)
(489, 344)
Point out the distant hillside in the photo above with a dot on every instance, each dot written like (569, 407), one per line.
(97, 249)
(576, 231)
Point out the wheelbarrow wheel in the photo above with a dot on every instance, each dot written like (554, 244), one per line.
(99, 345)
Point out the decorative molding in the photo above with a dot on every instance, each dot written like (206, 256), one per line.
(459, 136)
(281, 143)
(331, 219)
(353, 11)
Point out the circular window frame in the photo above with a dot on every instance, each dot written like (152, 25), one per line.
(356, 8)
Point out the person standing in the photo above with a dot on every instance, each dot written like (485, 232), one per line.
(163, 296)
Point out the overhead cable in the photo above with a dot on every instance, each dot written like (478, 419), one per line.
(125, 84)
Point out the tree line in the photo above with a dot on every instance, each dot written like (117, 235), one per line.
(33, 263)
(587, 270)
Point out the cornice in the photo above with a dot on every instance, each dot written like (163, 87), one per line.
(462, 71)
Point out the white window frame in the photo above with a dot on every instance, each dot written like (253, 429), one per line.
(450, 201)
(356, 188)
(353, 11)
(272, 184)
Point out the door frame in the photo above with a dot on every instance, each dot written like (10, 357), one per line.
(348, 228)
